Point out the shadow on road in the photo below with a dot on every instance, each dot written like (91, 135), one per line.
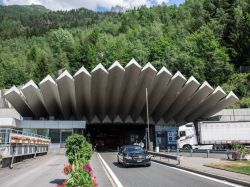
(57, 181)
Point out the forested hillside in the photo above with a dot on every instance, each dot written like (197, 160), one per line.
(209, 39)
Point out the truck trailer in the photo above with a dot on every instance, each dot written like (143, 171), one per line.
(213, 134)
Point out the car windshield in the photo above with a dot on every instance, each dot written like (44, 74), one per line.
(133, 149)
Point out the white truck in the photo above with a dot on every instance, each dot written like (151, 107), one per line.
(213, 135)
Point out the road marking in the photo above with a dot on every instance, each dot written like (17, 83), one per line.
(202, 176)
(106, 172)
(111, 173)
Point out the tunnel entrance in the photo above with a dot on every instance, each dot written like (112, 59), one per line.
(111, 136)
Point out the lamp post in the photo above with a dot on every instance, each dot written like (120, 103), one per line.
(148, 139)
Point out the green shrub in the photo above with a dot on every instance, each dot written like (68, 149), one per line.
(80, 178)
(240, 151)
(78, 149)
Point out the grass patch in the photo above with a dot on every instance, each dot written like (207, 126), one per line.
(236, 166)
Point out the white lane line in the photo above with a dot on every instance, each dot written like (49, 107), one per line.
(202, 176)
(111, 173)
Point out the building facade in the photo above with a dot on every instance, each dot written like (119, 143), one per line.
(109, 105)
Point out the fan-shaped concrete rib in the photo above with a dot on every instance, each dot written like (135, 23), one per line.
(83, 92)
(51, 96)
(175, 87)
(204, 90)
(106, 120)
(34, 99)
(160, 87)
(129, 119)
(114, 88)
(117, 119)
(207, 104)
(99, 90)
(146, 79)
(132, 73)
(66, 89)
(230, 99)
(17, 100)
(189, 89)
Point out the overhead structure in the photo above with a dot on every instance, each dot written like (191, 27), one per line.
(117, 95)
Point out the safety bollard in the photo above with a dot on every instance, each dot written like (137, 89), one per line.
(208, 153)
(13, 156)
(191, 152)
(178, 160)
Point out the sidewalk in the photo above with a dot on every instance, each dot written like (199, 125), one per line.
(197, 165)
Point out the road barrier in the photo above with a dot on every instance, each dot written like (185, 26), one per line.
(221, 151)
(164, 155)
(16, 145)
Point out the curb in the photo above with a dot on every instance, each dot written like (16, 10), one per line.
(236, 181)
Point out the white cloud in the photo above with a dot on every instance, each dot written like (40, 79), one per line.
(90, 4)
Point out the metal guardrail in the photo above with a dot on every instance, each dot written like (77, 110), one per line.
(5, 134)
(195, 151)
(16, 143)
(164, 155)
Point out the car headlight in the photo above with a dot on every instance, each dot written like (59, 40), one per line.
(128, 157)
(148, 157)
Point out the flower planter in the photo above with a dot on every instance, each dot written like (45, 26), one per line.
(247, 157)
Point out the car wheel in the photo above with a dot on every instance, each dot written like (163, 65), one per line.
(187, 147)
(148, 165)
(124, 164)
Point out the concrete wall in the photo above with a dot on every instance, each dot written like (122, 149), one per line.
(42, 124)
(9, 113)
(232, 115)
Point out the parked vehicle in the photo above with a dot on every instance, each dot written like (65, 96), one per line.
(133, 155)
(213, 135)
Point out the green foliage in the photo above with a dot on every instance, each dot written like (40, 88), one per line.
(241, 150)
(78, 149)
(80, 178)
(79, 152)
(205, 38)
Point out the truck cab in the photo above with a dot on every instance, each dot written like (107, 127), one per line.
(186, 137)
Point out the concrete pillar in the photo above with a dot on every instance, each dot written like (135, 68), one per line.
(34, 99)
(66, 87)
(132, 73)
(83, 92)
(175, 87)
(17, 100)
(146, 79)
(114, 88)
(189, 89)
(99, 91)
(204, 90)
(209, 102)
(51, 96)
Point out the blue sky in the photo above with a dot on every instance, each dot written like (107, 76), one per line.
(97, 5)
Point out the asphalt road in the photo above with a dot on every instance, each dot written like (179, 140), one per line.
(157, 175)
(43, 171)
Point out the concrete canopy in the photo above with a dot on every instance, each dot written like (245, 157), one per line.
(117, 95)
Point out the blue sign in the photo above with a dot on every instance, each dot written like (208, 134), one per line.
(172, 136)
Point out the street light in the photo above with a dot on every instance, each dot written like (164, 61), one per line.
(148, 139)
